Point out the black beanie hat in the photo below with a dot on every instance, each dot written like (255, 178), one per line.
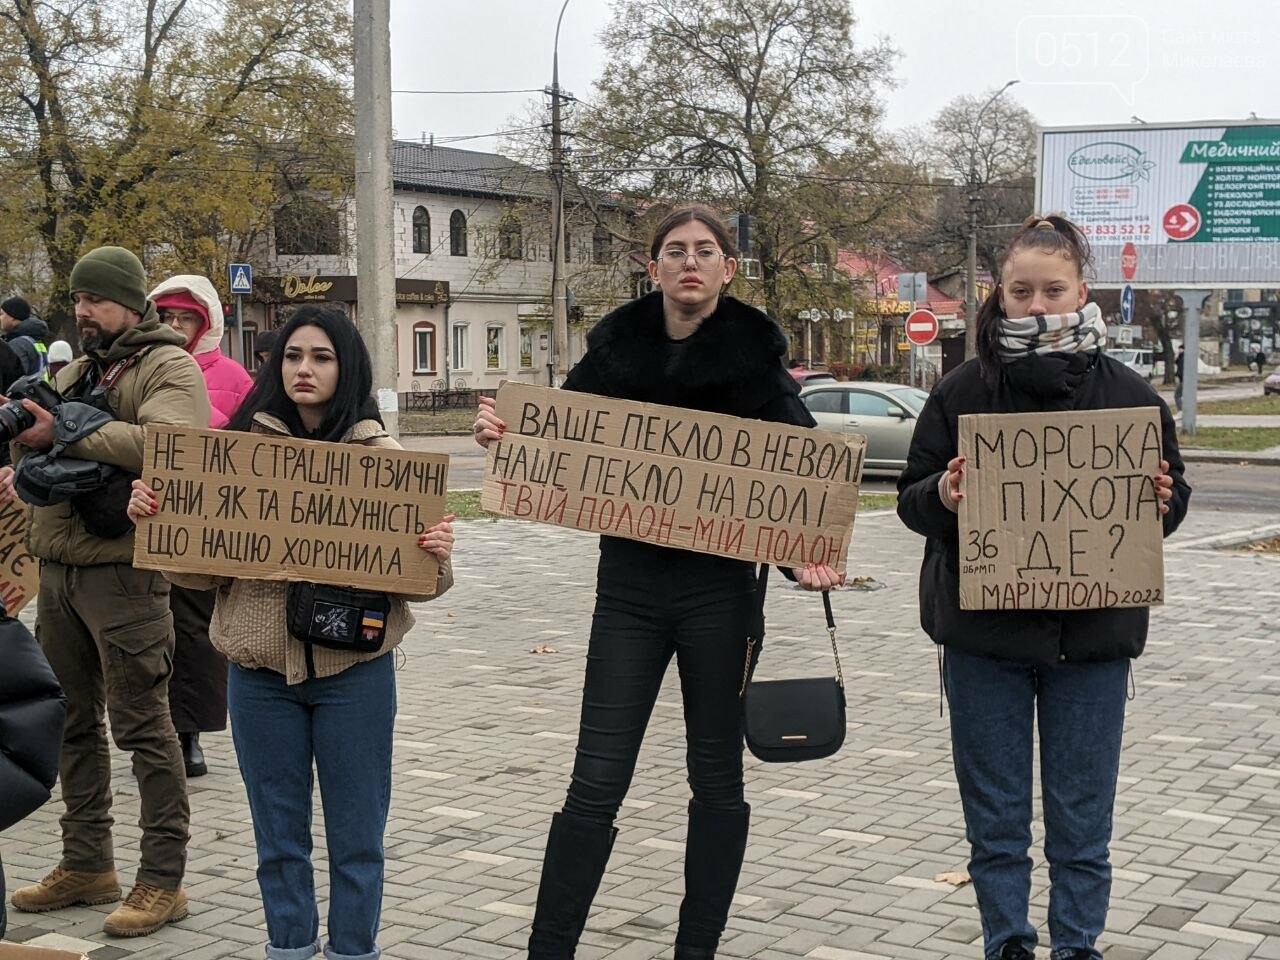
(112, 273)
(17, 308)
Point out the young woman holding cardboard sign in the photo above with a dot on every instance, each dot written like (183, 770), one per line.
(687, 345)
(1038, 350)
(293, 703)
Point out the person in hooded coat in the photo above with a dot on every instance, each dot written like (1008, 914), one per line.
(190, 304)
(198, 686)
(32, 712)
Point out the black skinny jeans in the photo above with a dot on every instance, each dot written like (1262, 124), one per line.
(652, 602)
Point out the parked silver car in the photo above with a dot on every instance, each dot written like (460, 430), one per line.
(884, 413)
(1272, 383)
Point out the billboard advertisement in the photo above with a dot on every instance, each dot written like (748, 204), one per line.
(1169, 205)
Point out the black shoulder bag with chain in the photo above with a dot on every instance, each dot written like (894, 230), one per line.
(790, 720)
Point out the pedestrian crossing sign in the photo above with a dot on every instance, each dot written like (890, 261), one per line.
(241, 277)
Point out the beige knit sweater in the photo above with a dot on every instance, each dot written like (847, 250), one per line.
(248, 624)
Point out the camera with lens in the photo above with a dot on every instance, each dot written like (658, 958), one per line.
(14, 417)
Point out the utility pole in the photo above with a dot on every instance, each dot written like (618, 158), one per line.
(375, 240)
(559, 359)
(971, 275)
(971, 268)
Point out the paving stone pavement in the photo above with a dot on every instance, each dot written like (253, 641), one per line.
(843, 852)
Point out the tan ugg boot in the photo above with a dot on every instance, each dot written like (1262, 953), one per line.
(65, 888)
(146, 910)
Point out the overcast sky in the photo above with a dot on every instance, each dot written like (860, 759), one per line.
(1176, 59)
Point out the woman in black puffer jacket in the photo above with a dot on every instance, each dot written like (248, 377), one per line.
(32, 711)
(1007, 671)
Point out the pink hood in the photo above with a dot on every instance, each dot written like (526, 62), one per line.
(228, 382)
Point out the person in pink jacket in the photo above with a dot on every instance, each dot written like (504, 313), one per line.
(198, 684)
(190, 304)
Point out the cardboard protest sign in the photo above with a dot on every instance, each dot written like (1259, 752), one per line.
(19, 570)
(265, 507)
(23, 951)
(767, 492)
(1060, 510)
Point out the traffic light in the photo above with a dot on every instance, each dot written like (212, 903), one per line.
(742, 222)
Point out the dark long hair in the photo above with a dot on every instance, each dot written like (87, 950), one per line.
(351, 400)
(688, 213)
(1052, 233)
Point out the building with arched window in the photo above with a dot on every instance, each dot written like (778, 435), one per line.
(457, 234)
(474, 310)
(421, 230)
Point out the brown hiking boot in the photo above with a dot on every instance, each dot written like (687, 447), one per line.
(146, 910)
(65, 888)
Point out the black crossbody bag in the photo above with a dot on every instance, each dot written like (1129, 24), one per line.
(785, 721)
(338, 618)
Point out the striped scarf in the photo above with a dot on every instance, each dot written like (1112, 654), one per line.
(1060, 333)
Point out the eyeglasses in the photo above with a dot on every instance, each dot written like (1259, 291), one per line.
(170, 316)
(675, 259)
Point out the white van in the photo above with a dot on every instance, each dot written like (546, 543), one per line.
(1137, 359)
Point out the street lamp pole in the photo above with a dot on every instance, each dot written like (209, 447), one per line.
(559, 358)
(971, 270)
(375, 203)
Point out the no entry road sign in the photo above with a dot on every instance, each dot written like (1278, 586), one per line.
(922, 327)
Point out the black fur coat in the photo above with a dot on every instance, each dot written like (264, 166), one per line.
(732, 364)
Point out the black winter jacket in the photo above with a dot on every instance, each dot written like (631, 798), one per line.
(22, 340)
(1080, 382)
(731, 364)
(32, 710)
(10, 370)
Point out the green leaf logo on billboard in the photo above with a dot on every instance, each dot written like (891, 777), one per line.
(1110, 160)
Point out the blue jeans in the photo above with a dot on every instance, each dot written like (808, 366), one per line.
(344, 723)
(1080, 708)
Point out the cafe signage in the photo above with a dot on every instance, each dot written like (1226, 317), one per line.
(304, 288)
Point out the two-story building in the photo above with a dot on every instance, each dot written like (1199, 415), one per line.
(473, 267)
(879, 324)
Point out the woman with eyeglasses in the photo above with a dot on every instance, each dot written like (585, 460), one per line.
(686, 345)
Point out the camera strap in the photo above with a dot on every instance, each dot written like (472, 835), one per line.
(115, 371)
(109, 377)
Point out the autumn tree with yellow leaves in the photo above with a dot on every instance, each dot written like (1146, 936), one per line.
(172, 127)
